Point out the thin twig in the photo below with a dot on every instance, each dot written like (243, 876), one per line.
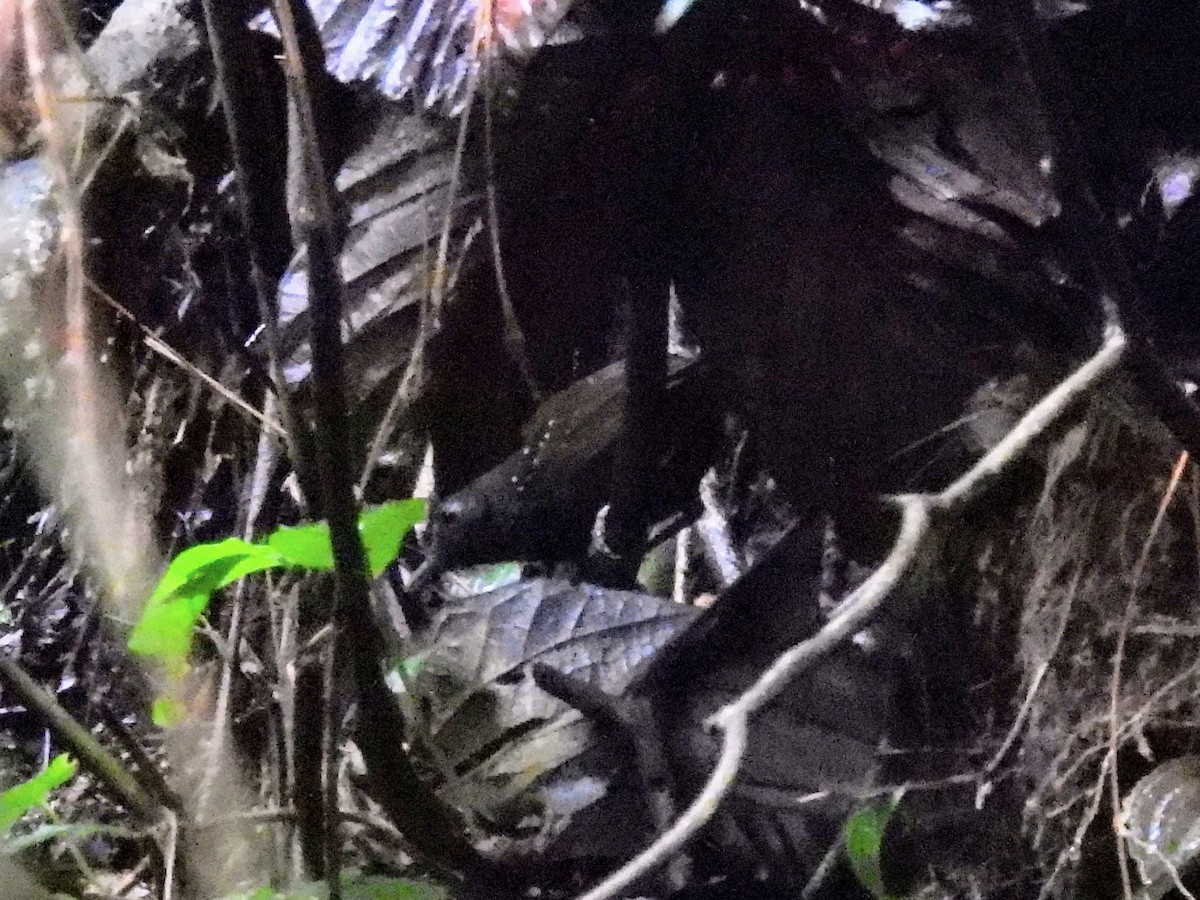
(156, 344)
(379, 732)
(1114, 692)
(1072, 849)
(265, 816)
(94, 757)
(220, 719)
(331, 722)
(284, 639)
(920, 512)
(514, 336)
(170, 851)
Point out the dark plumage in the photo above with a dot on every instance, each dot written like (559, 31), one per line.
(540, 502)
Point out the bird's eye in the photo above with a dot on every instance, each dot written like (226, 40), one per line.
(449, 511)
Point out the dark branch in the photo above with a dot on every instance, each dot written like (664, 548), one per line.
(422, 817)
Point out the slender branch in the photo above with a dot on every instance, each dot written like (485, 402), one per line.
(921, 512)
(514, 335)
(379, 733)
(80, 741)
(675, 838)
(170, 851)
(631, 717)
(1033, 424)
(228, 43)
(858, 610)
(331, 729)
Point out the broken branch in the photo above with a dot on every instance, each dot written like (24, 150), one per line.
(920, 512)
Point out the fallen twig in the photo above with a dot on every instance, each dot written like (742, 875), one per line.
(921, 512)
(94, 757)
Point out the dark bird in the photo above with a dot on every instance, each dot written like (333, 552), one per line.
(541, 502)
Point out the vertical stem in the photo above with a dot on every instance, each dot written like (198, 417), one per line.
(227, 40)
(379, 731)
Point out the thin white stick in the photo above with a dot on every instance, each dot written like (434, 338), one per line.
(671, 841)
(919, 512)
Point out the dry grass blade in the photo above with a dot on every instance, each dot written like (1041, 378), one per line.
(170, 354)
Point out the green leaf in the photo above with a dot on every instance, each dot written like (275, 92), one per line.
(165, 628)
(269, 893)
(304, 546)
(167, 711)
(376, 887)
(18, 800)
(383, 529)
(411, 666)
(864, 832)
(211, 566)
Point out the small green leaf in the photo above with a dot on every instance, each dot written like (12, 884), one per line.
(18, 800)
(411, 666)
(376, 887)
(383, 529)
(165, 628)
(864, 832)
(267, 893)
(304, 546)
(211, 566)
